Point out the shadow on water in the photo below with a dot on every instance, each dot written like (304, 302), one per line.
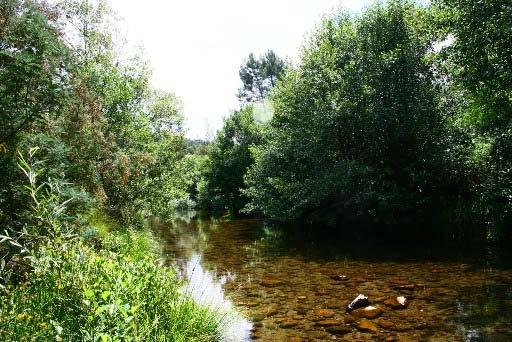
(318, 244)
(281, 276)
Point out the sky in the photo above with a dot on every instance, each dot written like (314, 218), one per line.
(195, 47)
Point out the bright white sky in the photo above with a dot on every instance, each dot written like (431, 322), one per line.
(195, 47)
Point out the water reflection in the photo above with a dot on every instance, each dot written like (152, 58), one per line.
(206, 289)
(485, 313)
(183, 245)
(283, 282)
(204, 286)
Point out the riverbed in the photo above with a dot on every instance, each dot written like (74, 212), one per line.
(290, 286)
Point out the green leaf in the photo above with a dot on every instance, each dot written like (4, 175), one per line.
(89, 293)
(105, 294)
(101, 309)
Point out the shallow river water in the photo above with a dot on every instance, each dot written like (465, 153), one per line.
(291, 287)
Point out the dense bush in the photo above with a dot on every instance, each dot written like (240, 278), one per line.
(398, 115)
(75, 292)
(92, 114)
(479, 61)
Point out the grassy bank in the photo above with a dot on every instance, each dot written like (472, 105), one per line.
(104, 284)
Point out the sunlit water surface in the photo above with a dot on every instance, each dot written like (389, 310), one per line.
(283, 289)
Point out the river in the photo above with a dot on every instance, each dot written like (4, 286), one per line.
(289, 286)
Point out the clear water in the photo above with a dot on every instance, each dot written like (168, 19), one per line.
(282, 284)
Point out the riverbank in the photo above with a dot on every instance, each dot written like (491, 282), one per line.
(105, 283)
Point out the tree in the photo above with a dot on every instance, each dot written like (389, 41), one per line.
(33, 63)
(228, 160)
(482, 51)
(480, 68)
(356, 131)
(164, 112)
(34, 72)
(97, 123)
(259, 76)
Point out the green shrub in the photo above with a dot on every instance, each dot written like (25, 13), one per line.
(120, 293)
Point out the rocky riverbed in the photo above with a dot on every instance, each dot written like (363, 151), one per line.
(295, 292)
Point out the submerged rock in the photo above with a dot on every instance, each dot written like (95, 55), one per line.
(302, 310)
(321, 292)
(338, 330)
(336, 305)
(386, 324)
(271, 282)
(323, 313)
(360, 301)
(328, 323)
(406, 287)
(289, 324)
(404, 327)
(369, 312)
(350, 319)
(367, 326)
(339, 277)
(395, 326)
(258, 318)
(397, 303)
(268, 311)
(252, 304)
(358, 279)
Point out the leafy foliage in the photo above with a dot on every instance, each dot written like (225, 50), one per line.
(228, 159)
(91, 134)
(98, 284)
(356, 130)
(77, 293)
(482, 53)
(480, 68)
(77, 89)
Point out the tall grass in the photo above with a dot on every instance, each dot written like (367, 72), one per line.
(77, 293)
